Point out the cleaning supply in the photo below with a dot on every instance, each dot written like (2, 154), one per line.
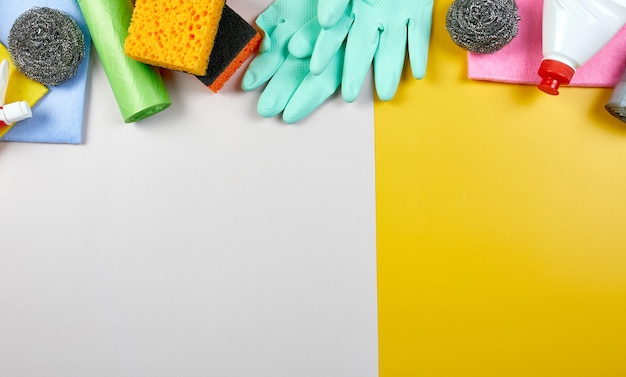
(279, 22)
(378, 31)
(573, 31)
(236, 40)
(18, 88)
(482, 26)
(291, 88)
(174, 34)
(616, 105)
(15, 111)
(46, 45)
(58, 116)
(138, 88)
(516, 63)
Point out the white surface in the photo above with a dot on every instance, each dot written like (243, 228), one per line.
(203, 241)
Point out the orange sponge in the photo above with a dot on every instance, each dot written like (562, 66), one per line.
(174, 34)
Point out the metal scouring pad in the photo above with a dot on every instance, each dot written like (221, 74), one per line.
(482, 26)
(46, 45)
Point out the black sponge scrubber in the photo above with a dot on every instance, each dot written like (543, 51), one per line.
(234, 42)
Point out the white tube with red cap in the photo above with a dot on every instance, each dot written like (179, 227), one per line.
(15, 111)
(573, 31)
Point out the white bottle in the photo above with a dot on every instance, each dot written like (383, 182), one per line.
(15, 111)
(573, 31)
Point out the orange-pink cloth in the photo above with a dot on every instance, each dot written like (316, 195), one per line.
(519, 61)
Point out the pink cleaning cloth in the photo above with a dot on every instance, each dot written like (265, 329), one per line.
(518, 62)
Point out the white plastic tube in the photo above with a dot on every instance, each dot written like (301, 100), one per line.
(14, 112)
(573, 31)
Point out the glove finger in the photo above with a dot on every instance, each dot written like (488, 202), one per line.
(265, 65)
(419, 29)
(302, 43)
(266, 21)
(281, 87)
(314, 90)
(389, 60)
(360, 49)
(261, 69)
(330, 11)
(328, 43)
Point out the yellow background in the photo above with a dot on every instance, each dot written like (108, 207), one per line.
(501, 227)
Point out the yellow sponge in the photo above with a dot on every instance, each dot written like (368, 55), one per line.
(174, 34)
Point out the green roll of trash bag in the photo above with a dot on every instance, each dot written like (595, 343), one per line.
(138, 88)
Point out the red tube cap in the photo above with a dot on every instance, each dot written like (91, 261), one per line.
(554, 74)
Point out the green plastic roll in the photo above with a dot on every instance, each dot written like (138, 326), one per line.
(138, 88)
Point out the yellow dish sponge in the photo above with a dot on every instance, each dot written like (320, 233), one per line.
(174, 34)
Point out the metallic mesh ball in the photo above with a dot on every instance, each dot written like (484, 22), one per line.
(482, 26)
(46, 45)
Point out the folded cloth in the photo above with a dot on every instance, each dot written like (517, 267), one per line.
(519, 61)
(58, 116)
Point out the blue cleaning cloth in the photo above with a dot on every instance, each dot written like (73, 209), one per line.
(58, 116)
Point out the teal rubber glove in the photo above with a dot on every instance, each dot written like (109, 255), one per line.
(291, 88)
(377, 32)
(278, 22)
(296, 92)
